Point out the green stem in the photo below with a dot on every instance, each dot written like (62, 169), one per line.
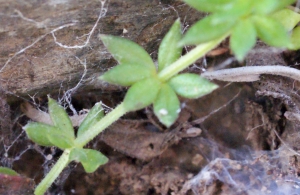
(53, 174)
(106, 121)
(189, 58)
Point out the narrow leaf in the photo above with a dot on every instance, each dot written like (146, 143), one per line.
(7, 171)
(127, 52)
(60, 118)
(47, 135)
(94, 115)
(60, 140)
(270, 6)
(242, 39)
(127, 74)
(169, 51)
(90, 159)
(288, 18)
(141, 94)
(271, 31)
(295, 39)
(166, 106)
(38, 132)
(191, 85)
(207, 29)
(210, 5)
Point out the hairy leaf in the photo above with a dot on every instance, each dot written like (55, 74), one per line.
(60, 118)
(242, 39)
(207, 29)
(127, 74)
(94, 115)
(166, 106)
(271, 31)
(142, 94)
(90, 159)
(7, 171)
(210, 5)
(60, 140)
(47, 135)
(288, 18)
(270, 6)
(191, 85)
(295, 39)
(169, 51)
(127, 52)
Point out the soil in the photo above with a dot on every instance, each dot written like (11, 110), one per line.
(241, 139)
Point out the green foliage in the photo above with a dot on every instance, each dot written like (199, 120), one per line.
(90, 159)
(191, 85)
(243, 38)
(210, 5)
(47, 135)
(296, 38)
(60, 118)
(166, 106)
(288, 18)
(60, 134)
(271, 31)
(142, 94)
(145, 86)
(270, 6)
(244, 20)
(8, 171)
(127, 74)
(169, 51)
(270, 20)
(94, 115)
(205, 30)
(127, 52)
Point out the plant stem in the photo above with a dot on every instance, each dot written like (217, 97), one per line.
(251, 73)
(79, 142)
(53, 174)
(120, 110)
(106, 121)
(189, 58)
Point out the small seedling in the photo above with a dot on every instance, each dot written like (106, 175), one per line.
(244, 20)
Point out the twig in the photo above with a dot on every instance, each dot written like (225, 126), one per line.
(251, 73)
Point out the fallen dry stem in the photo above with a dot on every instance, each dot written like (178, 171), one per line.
(251, 73)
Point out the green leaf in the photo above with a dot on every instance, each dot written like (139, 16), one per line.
(7, 171)
(207, 29)
(270, 6)
(210, 5)
(94, 115)
(240, 9)
(47, 135)
(127, 52)
(295, 39)
(271, 31)
(169, 51)
(37, 132)
(127, 74)
(60, 118)
(141, 94)
(191, 85)
(90, 159)
(60, 140)
(288, 18)
(242, 39)
(166, 106)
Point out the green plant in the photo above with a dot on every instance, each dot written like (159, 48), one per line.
(244, 20)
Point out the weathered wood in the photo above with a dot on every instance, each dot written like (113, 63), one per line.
(45, 44)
